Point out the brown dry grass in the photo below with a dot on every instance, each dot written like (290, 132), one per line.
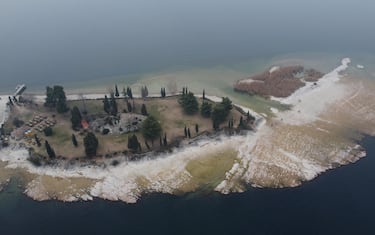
(166, 110)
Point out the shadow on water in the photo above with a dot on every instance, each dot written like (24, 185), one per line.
(340, 202)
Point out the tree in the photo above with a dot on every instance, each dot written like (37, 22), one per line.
(37, 140)
(129, 92)
(151, 128)
(107, 105)
(204, 94)
(185, 132)
(91, 144)
(189, 103)
(76, 118)
(133, 143)
(113, 103)
(74, 140)
(48, 131)
(196, 128)
(10, 101)
(50, 98)
(130, 109)
(221, 111)
(50, 151)
(241, 124)
(189, 134)
(219, 114)
(117, 94)
(58, 92)
(206, 109)
(165, 142)
(227, 103)
(144, 110)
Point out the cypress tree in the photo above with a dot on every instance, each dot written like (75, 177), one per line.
(130, 109)
(114, 110)
(148, 146)
(10, 101)
(185, 131)
(74, 140)
(204, 94)
(107, 105)
(91, 144)
(144, 110)
(189, 134)
(37, 140)
(50, 151)
(76, 117)
(165, 140)
(196, 128)
(133, 143)
(117, 94)
(241, 124)
(129, 92)
(161, 141)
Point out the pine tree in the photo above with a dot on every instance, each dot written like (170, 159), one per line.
(107, 105)
(117, 94)
(74, 140)
(206, 109)
(151, 129)
(50, 151)
(189, 103)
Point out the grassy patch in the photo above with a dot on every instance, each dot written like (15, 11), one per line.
(209, 171)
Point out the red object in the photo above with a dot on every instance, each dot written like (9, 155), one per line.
(85, 124)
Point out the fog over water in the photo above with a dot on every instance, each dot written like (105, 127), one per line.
(70, 40)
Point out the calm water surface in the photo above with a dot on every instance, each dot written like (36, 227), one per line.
(338, 202)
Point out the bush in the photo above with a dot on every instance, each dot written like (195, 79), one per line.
(35, 160)
(17, 122)
(48, 131)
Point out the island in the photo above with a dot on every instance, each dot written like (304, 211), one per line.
(120, 146)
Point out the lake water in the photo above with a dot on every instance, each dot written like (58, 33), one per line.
(81, 43)
(340, 201)
(47, 42)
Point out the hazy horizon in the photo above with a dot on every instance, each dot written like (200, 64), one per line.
(48, 40)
